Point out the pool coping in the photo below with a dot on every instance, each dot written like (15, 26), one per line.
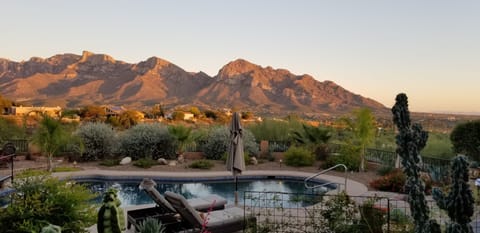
(354, 188)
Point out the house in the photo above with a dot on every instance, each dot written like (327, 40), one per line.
(22, 111)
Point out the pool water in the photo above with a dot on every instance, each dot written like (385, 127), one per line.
(130, 194)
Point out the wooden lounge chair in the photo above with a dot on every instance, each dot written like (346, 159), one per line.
(231, 219)
(163, 211)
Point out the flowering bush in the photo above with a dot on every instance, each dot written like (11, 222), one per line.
(392, 182)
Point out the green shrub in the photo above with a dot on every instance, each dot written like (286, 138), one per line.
(9, 130)
(298, 157)
(201, 164)
(145, 163)
(384, 170)
(66, 169)
(147, 141)
(98, 140)
(110, 162)
(151, 225)
(348, 155)
(43, 199)
(218, 139)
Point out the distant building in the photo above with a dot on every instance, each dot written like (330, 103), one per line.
(113, 110)
(21, 111)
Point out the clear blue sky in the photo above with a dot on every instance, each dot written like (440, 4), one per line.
(427, 49)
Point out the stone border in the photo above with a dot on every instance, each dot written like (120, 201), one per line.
(354, 188)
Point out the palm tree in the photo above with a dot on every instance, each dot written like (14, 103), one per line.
(183, 136)
(363, 128)
(50, 136)
(314, 137)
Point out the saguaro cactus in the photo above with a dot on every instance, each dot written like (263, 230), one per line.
(109, 214)
(459, 201)
(411, 139)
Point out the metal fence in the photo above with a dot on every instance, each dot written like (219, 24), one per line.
(321, 213)
(21, 145)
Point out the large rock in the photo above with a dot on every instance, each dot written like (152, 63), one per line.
(125, 161)
(253, 161)
(162, 161)
(172, 163)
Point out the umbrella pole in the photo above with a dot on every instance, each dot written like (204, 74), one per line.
(236, 190)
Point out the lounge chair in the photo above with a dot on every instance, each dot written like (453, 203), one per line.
(220, 221)
(163, 211)
(200, 204)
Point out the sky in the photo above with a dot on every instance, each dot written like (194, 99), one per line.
(428, 49)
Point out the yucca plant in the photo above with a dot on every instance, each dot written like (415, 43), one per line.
(151, 225)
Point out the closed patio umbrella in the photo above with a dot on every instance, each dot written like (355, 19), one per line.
(236, 161)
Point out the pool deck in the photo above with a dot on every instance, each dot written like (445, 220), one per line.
(354, 188)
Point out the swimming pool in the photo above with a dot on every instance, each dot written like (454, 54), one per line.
(130, 194)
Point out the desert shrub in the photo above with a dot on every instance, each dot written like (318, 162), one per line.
(298, 157)
(218, 140)
(392, 182)
(147, 141)
(384, 170)
(9, 130)
(145, 163)
(372, 217)
(110, 162)
(201, 164)
(348, 155)
(275, 130)
(43, 199)
(98, 140)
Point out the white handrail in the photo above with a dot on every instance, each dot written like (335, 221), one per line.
(323, 172)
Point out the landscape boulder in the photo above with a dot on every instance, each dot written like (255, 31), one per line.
(125, 161)
(253, 161)
(172, 163)
(162, 161)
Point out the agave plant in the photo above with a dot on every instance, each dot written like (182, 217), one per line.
(151, 225)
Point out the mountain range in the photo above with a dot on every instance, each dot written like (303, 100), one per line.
(71, 80)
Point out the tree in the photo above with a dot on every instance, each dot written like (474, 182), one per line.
(94, 113)
(178, 116)
(41, 199)
(4, 104)
(411, 139)
(50, 136)
(465, 138)
(182, 135)
(459, 202)
(313, 137)
(195, 111)
(363, 128)
(129, 118)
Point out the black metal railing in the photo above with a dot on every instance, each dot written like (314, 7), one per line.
(308, 212)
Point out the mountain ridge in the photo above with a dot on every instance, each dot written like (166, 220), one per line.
(75, 80)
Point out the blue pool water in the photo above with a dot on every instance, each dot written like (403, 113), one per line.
(130, 194)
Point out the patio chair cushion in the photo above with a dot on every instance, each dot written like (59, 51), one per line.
(201, 203)
(204, 204)
(184, 209)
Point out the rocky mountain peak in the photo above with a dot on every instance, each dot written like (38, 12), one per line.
(96, 58)
(75, 80)
(237, 67)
